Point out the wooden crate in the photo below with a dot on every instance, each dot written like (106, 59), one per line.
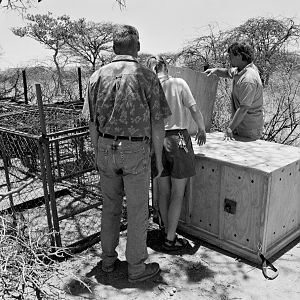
(245, 196)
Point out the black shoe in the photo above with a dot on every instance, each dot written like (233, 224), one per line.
(108, 269)
(151, 270)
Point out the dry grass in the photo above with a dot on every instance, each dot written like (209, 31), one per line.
(27, 263)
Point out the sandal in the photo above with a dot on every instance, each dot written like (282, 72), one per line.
(175, 245)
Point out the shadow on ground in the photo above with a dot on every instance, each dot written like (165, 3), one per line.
(198, 265)
(117, 279)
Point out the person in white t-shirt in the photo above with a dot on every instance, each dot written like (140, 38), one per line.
(178, 155)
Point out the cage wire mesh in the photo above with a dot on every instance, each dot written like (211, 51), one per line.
(71, 161)
(7, 107)
(26, 119)
(20, 171)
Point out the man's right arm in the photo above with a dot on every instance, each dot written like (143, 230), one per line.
(158, 135)
(159, 110)
(220, 72)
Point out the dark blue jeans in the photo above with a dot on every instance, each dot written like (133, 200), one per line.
(124, 168)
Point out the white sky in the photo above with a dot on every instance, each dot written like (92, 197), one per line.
(164, 25)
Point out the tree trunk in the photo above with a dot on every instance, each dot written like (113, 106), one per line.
(60, 89)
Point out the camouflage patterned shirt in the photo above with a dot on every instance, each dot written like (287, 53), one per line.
(125, 97)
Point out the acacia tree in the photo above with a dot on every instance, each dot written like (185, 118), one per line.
(49, 31)
(89, 42)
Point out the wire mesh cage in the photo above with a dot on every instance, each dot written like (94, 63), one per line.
(51, 175)
(27, 119)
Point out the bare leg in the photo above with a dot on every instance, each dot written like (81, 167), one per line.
(174, 210)
(164, 192)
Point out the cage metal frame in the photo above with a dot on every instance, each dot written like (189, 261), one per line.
(49, 138)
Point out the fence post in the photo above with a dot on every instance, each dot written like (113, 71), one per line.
(25, 86)
(45, 188)
(50, 181)
(80, 84)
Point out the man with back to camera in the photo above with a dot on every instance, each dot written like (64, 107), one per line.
(128, 108)
(247, 93)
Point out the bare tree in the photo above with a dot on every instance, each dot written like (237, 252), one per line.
(282, 104)
(89, 42)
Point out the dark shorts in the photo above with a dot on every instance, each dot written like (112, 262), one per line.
(178, 163)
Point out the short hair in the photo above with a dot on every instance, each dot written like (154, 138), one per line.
(160, 62)
(125, 37)
(242, 48)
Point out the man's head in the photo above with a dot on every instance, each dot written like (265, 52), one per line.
(157, 64)
(126, 40)
(240, 54)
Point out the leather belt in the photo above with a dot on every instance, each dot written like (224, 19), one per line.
(122, 137)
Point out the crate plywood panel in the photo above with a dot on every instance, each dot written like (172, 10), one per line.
(204, 90)
(259, 155)
(205, 192)
(248, 190)
(284, 203)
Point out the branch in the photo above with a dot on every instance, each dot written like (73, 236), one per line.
(17, 190)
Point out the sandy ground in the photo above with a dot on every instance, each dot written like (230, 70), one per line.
(201, 271)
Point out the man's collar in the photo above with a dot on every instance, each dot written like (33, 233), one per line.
(124, 57)
(251, 65)
(239, 73)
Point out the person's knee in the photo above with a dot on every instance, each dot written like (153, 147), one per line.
(164, 195)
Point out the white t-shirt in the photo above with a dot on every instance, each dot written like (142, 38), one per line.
(180, 98)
